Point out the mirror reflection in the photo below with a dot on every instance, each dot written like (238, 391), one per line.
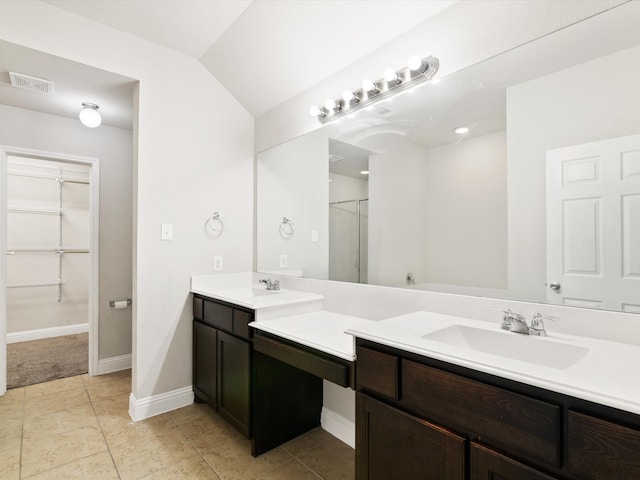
(538, 200)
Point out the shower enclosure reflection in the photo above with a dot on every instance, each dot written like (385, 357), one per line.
(349, 240)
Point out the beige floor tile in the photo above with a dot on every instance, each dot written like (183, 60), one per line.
(15, 395)
(143, 457)
(312, 439)
(10, 436)
(50, 424)
(44, 403)
(47, 453)
(10, 463)
(119, 431)
(231, 459)
(119, 376)
(111, 408)
(53, 387)
(95, 467)
(292, 470)
(206, 429)
(109, 389)
(192, 468)
(332, 460)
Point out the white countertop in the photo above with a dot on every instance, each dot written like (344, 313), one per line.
(606, 374)
(250, 296)
(321, 330)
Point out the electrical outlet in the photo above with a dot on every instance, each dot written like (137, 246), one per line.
(167, 231)
(217, 263)
(283, 260)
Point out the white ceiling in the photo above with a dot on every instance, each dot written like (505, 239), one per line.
(264, 51)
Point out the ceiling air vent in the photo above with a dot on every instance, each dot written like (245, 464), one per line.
(27, 82)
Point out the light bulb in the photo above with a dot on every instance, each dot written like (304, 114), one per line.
(330, 104)
(89, 115)
(414, 63)
(461, 130)
(390, 75)
(314, 111)
(368, 85)
(364, 172)
(347, 96)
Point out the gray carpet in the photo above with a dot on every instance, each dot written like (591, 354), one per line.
(39, 361)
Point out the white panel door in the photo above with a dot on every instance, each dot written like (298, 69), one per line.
(593, 225)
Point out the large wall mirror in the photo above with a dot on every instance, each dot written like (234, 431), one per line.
(538, 201)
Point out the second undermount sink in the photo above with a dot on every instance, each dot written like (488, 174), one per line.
(537, 350)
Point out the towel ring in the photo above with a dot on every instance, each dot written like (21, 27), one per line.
(287, 228)
(216, 224)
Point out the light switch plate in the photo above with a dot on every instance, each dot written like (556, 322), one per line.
(283, 260)
(217, 263)
(314, 236)
(167, 231)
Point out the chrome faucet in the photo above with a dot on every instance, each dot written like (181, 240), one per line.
(514, 322)
(271, 285)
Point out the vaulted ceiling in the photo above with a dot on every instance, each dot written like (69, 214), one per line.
(263, 51)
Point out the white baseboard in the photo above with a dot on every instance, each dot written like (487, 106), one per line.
(41, 333)
(338, 426)
(114, 364)
(157, 404)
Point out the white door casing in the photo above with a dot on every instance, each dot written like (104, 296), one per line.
(593, 225)
(94, 207)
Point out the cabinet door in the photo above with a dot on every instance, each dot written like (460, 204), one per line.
(392, 445)
(234, 374)
(487, 464)
(205, 360)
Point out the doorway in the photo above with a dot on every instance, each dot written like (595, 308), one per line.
(49, 281)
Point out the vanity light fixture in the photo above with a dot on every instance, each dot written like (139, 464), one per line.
(89, 115)
(417, 71)
(461, 130)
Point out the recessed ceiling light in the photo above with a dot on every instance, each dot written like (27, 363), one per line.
(364, 172)
(462, 130)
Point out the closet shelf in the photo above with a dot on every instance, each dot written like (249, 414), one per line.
(35, 284)
(35, 211)
(11, 251)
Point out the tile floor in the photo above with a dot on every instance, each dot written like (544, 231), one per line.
(79, 428)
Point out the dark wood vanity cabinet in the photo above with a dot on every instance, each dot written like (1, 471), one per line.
(222, 360)
(418, 418)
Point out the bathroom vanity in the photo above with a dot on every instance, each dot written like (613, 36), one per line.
(424, 410)
(260, 358)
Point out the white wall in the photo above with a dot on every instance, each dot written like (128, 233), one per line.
(343, 188)
(466, 213)
(397, 198)
(114, 149)
(194, 155)
(294, 183)
(555, 111)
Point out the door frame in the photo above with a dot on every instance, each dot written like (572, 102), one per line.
(94, 256)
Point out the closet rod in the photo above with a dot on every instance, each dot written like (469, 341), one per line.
(46, 177)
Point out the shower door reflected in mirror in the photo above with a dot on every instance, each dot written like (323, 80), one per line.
(348, 241)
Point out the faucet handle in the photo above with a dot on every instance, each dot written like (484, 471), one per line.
(537, 323)
(509, 317)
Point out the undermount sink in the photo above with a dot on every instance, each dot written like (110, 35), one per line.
(537, 350)
(256, 292)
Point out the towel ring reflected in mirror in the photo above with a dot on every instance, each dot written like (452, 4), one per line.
(215, 225)
(287, 228)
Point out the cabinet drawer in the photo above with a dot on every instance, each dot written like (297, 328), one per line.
(602, 450)
(318, 364)
(377, 372)
(217, 315)
(241, 320)
(198, 308)
(522, 426)
(488, 464)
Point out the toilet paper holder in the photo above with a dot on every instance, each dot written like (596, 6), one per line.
(112, 303)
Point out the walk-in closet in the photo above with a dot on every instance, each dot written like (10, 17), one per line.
(47, 269)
